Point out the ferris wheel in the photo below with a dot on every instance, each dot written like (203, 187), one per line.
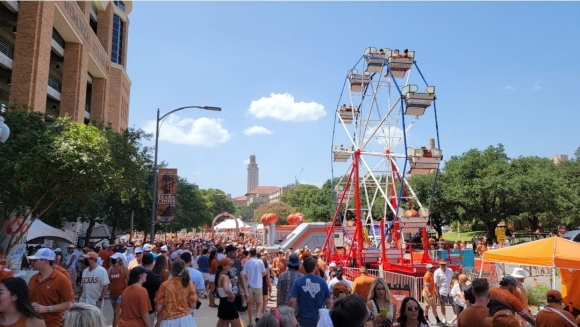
(384, 97)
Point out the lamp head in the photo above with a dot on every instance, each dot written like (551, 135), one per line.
(4, 131)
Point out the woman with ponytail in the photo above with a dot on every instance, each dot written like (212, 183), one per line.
(175, 298)
(135, 304)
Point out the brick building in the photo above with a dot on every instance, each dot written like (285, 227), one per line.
(67, 58)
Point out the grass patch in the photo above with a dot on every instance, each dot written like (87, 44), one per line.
(464, 236)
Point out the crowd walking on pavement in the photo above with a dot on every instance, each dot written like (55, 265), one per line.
(160, 285)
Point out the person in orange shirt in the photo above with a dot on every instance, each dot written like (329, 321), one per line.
(279, 265)
(4, 271)
(474, 315)
(505, 295)
(430, 294)
(50, 291)
(362, 284)
(553, 315)
(175, 297)
(15, 307)
(105, 256)
(135, 305)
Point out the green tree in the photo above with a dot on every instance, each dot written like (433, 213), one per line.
(481, 186)
(48, 159)
(320, 205)
(218, 201)
(297, 197)
(283, 210)
(247, 212)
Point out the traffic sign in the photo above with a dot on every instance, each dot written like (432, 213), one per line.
(562, 229)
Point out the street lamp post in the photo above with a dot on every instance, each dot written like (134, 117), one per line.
(154, 190)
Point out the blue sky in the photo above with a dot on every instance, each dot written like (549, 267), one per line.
(504, 73)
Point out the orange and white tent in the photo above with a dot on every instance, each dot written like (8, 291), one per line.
(552, 252)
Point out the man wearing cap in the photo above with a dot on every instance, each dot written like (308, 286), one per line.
(286, 279)
(520, 275)
(553, 315)
(71, 264)
(147, 249)
(238, 281)
(502, 318)
(94, 281)
(362, 284)
(442, 277)
(430, 293)
(505, 295)
(50, 292)
(138, 258)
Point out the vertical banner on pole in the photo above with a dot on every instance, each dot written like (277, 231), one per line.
(166, 195)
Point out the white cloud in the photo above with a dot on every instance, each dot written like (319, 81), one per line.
(508, 88)
(246, 162)
(284, 107)
(537, 86)
(206, 132)
(257, 130)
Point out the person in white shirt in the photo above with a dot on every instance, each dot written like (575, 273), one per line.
(94, 282)
(71, 264)
(442, 277)
(338, 279)
(254, 270)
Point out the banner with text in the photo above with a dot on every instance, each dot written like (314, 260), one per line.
(166, 195)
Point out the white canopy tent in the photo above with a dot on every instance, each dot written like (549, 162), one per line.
(230, 224)
(39, 229)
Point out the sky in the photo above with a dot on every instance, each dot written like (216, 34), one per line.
(504, 72)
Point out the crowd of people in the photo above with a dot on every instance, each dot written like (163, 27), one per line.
(160, 285)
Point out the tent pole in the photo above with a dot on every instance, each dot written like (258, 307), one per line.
(481, 269)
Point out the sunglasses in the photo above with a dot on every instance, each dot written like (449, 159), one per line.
(411, 309)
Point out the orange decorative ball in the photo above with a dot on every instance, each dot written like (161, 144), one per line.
(412, 213)
(292, 219)
(269, 218)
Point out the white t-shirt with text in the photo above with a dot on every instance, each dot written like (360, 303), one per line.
(93, 283)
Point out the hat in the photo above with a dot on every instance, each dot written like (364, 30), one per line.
(509, 280)
(429, 266)
(519, 273)
(502, 318)
(180, 251)
(332, 265)
(117, 255)
(231, 248)
(174, 255)
(164, 248)
(442, 262)
(71, 246)
(91, 255)
(105, 245)
(43, 254)
(57, 250)
(138, 250)
(554, 295)
(225, 262)
(146, 247)
(293, 261)
(280, 252)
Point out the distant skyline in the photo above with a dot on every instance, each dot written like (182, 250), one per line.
(505, 72)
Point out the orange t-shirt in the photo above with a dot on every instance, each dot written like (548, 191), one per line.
(507, 298)
(53, 290)
(548, 318)
(62, 271)
(279, 265)
(105, 255)
(473, 316)
(213, 267)
(362, 285)
(21, 322)
(429, 282)
(134, 304)
(175, 298)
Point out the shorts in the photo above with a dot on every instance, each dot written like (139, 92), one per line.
(458, 308)
(238, 302)
(212, 278)
(116, 300)
(429, 302)
(255, 295)
(206, 276)
(446, 299)
(227, 310)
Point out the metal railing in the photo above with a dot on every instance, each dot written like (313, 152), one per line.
(7, 49)
(55, 84)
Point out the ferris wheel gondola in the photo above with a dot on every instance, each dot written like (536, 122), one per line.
(376, 207)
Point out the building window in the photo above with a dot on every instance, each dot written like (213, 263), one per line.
(117, 49)
(120, 4)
